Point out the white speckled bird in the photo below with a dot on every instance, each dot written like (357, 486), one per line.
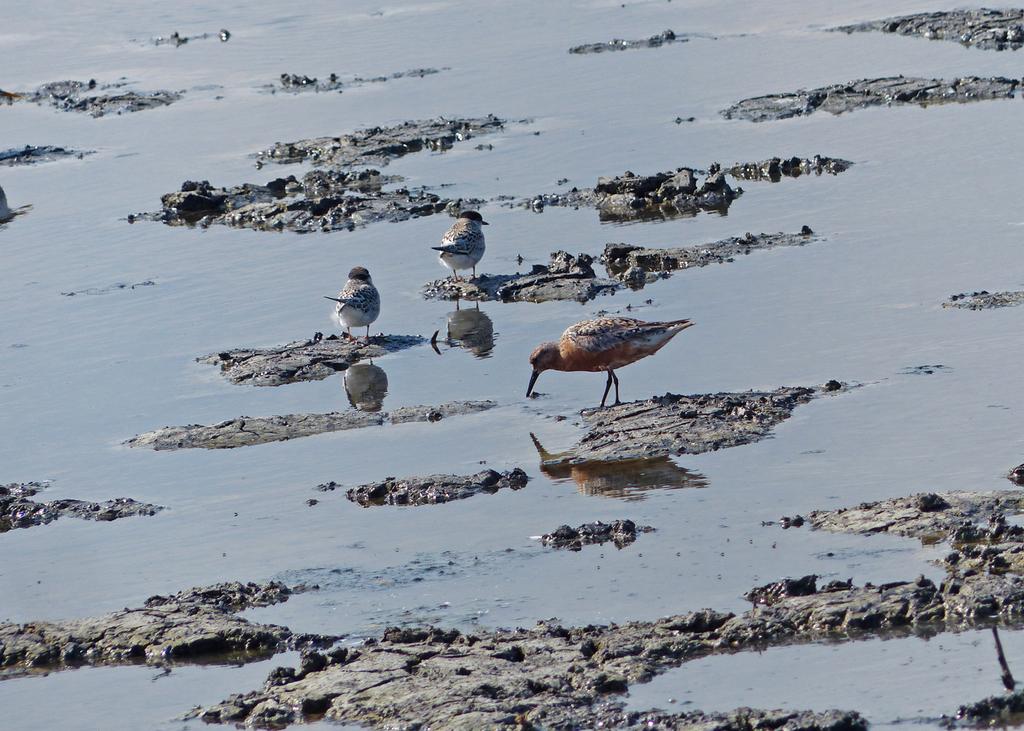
(358, 301)
(462, 246)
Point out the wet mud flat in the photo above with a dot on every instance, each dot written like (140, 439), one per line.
(99, 99)
(32, 154)
(299, 83)
(567, 677)
(115, 287)
(565, 277)
(18, 509)
(245, 431)
(432, 489)
(303, 360)
(196, 625)
(985, 28)
(658, 40)
(639, 265)
(864, 93)
(984, 300)
(332, 197)
(620, 532)
(672, 424)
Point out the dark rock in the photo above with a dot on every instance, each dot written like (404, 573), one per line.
(431, 489)
(1017, 474)
(303, 360)
(196, 625)
(18, 510)
(892, 90)
(636, 265)
(672, 425)
(994, 711)
(246, 431)
(566, 277)
(776, 591)
(984, 300)
(984, 28)
(621, 532)
(617, 44)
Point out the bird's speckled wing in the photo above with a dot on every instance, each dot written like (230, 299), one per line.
(360, 295)
(461, 238)
(605, 333)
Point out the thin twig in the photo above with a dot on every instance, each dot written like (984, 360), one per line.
(1007, 677)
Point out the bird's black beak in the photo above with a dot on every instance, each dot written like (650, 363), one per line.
(333, 299)
(533, 381)
(484, 223)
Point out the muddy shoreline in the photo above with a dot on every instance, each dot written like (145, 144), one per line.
(987, 29)
(19, 510)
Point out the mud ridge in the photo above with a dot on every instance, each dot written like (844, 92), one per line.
(197, 625)
(565, 277)
(176, 39)
(19, 510)
(618, 44)
(985, 28)
(672, 424)
(639, 265)
(620, 532)
(298, 83)
(246, 431)
(565, 677)
(432, 489)
(98, 100)
(31, 154)
(864, 93)
(984, 300)
(303, 360)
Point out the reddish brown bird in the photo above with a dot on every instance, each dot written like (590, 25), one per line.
(603, 344)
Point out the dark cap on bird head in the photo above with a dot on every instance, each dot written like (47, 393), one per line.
(474, 216)
(359, 273)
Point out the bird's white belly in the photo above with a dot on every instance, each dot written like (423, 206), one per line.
(350, 316)
(460, 261)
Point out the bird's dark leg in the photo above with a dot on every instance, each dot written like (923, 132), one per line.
(474, 271)
(607, 386)
(615, 378)
(368, 340)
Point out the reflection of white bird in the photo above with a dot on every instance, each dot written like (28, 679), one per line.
(358, 301)
(366, 386)
(5, 212)
(462, 246)
(473, 330)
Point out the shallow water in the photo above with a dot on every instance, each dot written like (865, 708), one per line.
(930, 208)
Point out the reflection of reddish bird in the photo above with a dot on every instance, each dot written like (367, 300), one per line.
(603, 344)
(9, 96)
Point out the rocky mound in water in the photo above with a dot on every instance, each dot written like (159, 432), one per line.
(197, 625)
(776, 168)
(332, 197)
(620, 532)
(984, 28)
(639, 265)
(617, 44)
(98, 100)
(432, 489)
(303, 360)
(19, 510)
(984, 300)
(30, 154)
(887, 91)
(298, 83)
(673, 425)
(630, 197)
(566, 277)
(245, 431)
